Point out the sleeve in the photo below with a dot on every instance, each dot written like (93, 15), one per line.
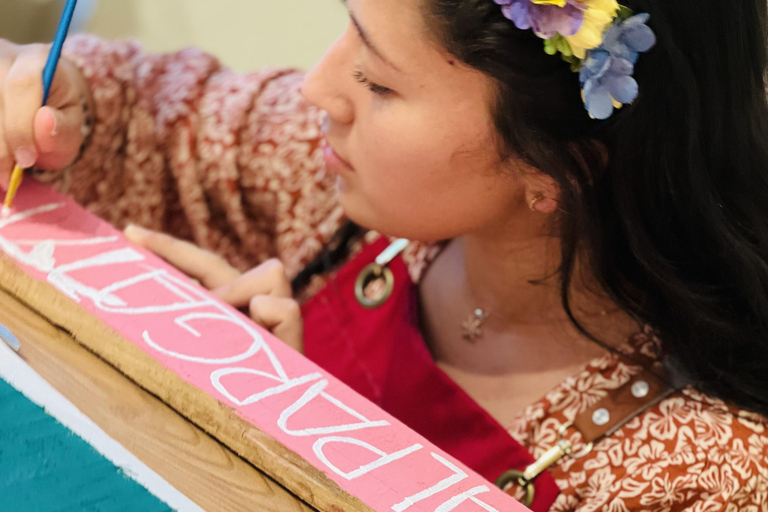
(183, 145)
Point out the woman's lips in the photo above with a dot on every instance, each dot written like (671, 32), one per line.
(333, 161)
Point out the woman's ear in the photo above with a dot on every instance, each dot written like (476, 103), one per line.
(542, 194)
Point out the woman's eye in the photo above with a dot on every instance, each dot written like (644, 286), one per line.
(374, 87)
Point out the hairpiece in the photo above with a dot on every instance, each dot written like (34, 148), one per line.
(599, 38)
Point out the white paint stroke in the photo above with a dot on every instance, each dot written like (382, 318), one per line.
(72, 243)
(307, 397)
(42, 258)
(23, 215)
(458, 476)
(217, 375)
(383, 460)
(24, 379)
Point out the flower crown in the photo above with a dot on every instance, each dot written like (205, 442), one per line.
(599, 38)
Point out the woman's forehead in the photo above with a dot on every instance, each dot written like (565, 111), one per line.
(395, 31)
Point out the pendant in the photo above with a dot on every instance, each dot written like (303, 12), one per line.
(473, 326)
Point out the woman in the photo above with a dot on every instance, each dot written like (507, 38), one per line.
(613, 261)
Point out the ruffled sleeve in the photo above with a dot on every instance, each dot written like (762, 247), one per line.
(184, 145)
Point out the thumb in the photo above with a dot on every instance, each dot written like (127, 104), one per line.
(58, 136)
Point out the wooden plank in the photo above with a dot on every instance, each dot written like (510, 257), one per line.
(281, 412)
(185, 456)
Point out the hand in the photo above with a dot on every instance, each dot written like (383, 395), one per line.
(264, 289)
(50, 137)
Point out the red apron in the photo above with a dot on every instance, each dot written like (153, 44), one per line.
(381, 354)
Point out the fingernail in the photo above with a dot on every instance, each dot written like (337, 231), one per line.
(26, 157)
(55, 129)
(134, 233)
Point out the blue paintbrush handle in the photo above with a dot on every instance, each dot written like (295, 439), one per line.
(58, 42)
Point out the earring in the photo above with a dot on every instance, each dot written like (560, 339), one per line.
(536, 199)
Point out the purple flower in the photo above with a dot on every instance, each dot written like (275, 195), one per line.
(546, 20)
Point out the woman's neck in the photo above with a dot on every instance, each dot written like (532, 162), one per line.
(527, 329)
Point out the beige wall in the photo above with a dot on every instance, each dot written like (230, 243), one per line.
(245, 34)
(27, 21)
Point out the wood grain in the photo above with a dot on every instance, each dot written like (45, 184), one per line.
(189, 459)
(217, 419)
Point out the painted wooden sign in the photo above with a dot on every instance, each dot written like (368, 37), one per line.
(271, 405)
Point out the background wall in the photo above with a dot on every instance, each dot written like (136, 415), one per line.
(245, 34)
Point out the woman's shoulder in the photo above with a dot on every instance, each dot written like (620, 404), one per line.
(690, 452)
(721, 437)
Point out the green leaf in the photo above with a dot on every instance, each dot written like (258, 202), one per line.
(559, 44)
(564, 47)
(549, 47)
(624, 13)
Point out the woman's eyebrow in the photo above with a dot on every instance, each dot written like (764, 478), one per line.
(366, 38)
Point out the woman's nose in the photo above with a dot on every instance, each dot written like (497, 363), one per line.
(325, 85)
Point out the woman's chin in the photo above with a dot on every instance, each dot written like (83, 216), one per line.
(366, 219)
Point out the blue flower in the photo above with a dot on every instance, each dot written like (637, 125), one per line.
(626, 39)
(606, 73)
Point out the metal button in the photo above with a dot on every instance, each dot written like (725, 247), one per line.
(640, 389)
(601, 417)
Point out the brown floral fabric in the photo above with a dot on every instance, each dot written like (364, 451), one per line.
(232, 162)
(688, 453)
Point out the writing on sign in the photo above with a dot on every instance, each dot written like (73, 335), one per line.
(220, 351)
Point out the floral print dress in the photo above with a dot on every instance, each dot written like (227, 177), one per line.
(232, 162)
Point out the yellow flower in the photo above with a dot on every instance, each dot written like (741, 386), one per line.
(598, 16)
(559, 3)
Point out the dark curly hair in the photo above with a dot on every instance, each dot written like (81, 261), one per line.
(666, 201)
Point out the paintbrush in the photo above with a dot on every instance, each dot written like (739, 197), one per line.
(48, 73)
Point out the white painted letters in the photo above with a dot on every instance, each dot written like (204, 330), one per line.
(383, 460)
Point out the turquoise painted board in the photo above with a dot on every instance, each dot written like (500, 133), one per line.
(44, 467)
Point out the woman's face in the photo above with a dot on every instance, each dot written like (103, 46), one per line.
(410, 135)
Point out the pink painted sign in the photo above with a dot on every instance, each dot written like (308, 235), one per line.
(220, 351)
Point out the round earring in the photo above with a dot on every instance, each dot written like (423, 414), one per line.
(536, 199)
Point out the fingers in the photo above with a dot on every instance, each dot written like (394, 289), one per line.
(7, 56)
(269, 278)
(267, 292)
(58, 135)
(265, 289)
(282, 317)
(48, 137)
(211, 270)
(23, 94)
(58, 127)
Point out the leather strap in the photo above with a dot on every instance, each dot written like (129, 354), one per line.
(601, 420)
(643, 391)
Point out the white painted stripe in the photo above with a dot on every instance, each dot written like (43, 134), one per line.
(24, 379)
